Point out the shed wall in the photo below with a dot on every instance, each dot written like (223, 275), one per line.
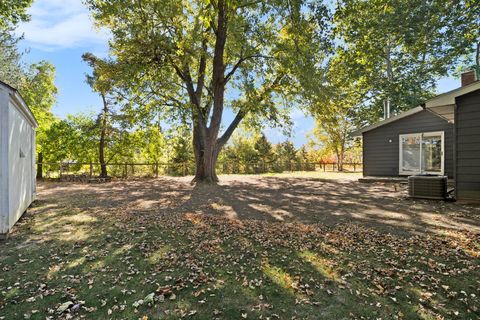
(4, 207)
(467, 122)
(381, 157)
(21, 164)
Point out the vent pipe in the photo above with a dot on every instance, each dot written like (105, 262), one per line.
(386, 108)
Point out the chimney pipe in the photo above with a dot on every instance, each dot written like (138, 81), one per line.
(468, 77)
(386, 108)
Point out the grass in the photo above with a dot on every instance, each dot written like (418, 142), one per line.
(64, 263)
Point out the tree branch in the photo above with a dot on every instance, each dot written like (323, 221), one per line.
(231, 128)
(201, 69)
(239, 63)
(243, 112)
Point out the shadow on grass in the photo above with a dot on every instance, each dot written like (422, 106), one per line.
(219, 267)
(281, 252)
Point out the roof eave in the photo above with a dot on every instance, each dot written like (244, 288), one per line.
(448, 98)
(402, 115)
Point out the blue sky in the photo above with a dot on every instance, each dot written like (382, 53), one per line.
(60, 31)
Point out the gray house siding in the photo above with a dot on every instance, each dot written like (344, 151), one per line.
(467, 122)
(381, 157)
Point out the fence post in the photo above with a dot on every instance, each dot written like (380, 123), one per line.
(125, 170)
(324, 167)
(156, 169)
(91, 169)
(184, 169)
(354, 167)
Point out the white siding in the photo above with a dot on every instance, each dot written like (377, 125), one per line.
(4, 207)
(17, 160)
(20, 164)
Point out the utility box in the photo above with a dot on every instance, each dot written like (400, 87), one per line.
(17, 158)
(428, 187)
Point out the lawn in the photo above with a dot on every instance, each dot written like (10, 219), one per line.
(162, 249)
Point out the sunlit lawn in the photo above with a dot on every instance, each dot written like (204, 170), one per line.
(86, 264)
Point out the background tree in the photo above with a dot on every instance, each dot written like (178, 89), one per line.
(396, 50)
(179, 149)
(286, 153)
(154, 144)
(39, 91)
(202, 48)
(36, 83)
(104, 86)
(336, 112)
(77, 137)
(333, 133)
(263, 147)
(11, 13)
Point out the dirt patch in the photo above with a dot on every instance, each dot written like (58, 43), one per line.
(283, 198)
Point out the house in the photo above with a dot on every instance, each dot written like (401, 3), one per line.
(441, 137)
(17, 157)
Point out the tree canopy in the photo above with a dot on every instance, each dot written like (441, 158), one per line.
(395, 51)
(12, 12)
(186, 55)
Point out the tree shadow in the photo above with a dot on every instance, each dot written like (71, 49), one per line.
(280, 199)
(128, 250)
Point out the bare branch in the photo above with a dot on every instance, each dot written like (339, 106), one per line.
(239, 63)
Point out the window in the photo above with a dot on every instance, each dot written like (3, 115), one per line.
(422, 153)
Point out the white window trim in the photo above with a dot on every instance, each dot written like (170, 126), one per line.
(422, 134)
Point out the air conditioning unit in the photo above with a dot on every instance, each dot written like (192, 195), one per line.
(428, 187)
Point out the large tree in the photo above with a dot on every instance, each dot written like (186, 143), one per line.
(186, 54)
(103, 85)
(12, 12)
(395, 50)
(39, 91)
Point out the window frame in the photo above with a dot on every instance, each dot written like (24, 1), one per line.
(422, 135)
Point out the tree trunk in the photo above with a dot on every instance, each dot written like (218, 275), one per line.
(477, 61)
(340, 161)
(101, 145)
(205, 167)
(206, 143)
(40, 166)
(103, 165)
(206, 156)
(390, 81)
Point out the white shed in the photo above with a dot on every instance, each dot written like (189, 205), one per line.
(17, 157)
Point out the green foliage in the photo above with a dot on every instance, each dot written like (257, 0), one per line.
(179, 150)
(400, 53)
(154, 144)
(36, 83)
(286, 152)
(77, 137)
(263, 148)
(12, 12)
(179, 58)
(11, 71)
(39, 92)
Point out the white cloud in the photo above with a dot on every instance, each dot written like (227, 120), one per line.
(59, 24)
